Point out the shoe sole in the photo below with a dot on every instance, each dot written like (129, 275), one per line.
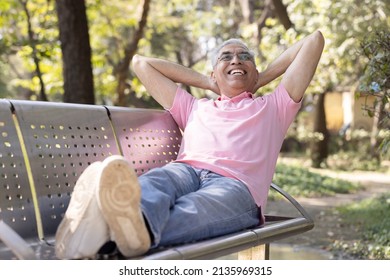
(119, 197)
(66, 246)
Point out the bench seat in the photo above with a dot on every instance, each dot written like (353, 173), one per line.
(47, 145)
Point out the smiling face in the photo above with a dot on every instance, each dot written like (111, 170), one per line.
(235, 70)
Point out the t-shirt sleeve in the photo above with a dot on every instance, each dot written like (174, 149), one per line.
(286, 106)
(182, 107)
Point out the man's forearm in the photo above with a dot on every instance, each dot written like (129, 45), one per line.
(280, 64)
(178, 73)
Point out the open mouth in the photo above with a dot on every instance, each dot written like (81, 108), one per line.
(237, 72)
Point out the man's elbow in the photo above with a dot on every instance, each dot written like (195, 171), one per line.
(135, 61)
(138, 64)
(319, 38)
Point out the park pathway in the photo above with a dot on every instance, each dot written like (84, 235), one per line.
(328, 225)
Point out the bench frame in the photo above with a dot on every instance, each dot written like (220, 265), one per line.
(47, 145)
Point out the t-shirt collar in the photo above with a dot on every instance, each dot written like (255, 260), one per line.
(237, 98)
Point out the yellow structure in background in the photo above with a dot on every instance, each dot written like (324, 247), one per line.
(342, 108)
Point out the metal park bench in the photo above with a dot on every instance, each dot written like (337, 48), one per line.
(45, 146)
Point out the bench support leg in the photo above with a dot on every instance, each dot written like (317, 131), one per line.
(260, 252)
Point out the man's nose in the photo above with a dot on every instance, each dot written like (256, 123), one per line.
(235, 60)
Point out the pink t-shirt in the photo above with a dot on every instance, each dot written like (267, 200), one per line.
(239, 137)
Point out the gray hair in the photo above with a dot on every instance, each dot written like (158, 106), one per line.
(234, 41)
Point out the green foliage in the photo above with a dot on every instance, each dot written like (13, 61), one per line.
(111, 27)
(372, 219)
(352, 160)
(376, 78)
(16, 45)
(299, 181)
(346, 152)
(344, 24)
(353, 153)
(185, 31)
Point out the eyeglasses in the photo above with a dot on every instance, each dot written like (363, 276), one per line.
(243, 56)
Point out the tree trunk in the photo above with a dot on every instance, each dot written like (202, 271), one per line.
(122, 69)
(319, 147)
(76, 52)
(281, 13)
(31, 37)
(374, 143)
(247, 10)
(269, 8)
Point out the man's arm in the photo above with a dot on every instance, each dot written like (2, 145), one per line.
(160, 77)
(298, 63)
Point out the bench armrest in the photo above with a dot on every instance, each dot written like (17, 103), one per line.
(295, 203)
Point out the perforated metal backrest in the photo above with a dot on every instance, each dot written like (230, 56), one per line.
(61, 141)
(16, 203)
(148, 138)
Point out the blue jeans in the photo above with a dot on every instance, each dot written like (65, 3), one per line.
(183, 204)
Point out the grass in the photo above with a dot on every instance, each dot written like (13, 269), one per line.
(371, 218)
(299, 181)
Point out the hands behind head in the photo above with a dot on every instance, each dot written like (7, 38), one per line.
(214, 86)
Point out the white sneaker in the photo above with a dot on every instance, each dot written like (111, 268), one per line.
(119, 197)
(83, 229)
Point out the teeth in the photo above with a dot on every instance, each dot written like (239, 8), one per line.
(237, 72)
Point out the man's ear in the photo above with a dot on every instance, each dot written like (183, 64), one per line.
(259, 81)
(212, 76)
